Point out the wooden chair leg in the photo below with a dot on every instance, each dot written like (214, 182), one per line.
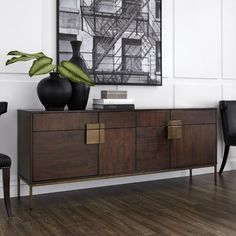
(226, 152)
(6, 190)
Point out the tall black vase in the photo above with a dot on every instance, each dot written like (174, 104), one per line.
(80, 91)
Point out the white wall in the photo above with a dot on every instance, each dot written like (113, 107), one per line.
(198, 66)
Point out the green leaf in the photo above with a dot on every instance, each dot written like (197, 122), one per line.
(73, 73)
(22, 56)
(41, 66)
(16, 59)
(37, 55)
(18, 53)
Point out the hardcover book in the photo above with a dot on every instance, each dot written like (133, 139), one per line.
(111, 94)
(113, 106)
(112, 101)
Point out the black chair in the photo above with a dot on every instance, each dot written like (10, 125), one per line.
(5, 165)
(228, 120)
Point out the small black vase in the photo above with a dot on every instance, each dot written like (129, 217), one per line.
(80, 91)
(54, 92)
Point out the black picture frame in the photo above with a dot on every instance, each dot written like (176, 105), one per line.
(103, 26)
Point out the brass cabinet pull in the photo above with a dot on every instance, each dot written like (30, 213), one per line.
(92, 133)
(95, 133)
(175, 129)
(92, 126)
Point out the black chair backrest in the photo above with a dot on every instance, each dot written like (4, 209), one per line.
(228, 119)
(3, 107)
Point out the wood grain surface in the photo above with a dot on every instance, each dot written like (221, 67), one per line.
(63, 154)
(171, 207)
(117, 154)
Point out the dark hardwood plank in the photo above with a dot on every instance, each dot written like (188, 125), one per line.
(167, 207)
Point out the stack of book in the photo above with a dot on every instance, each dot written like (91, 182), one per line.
(113, 100)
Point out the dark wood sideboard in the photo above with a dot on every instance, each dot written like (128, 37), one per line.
(55, 147)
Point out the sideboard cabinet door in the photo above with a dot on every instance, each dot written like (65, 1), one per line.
(152, 144)
(197, 147)
(62, 155)
(117, 153)
(59, 149)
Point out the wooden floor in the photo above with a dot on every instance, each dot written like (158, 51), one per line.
(166, 207)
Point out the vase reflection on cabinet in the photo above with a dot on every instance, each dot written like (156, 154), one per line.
(80, 91)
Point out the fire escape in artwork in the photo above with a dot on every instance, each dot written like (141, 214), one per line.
(126, 40)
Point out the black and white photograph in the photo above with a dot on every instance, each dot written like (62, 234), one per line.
(121, 39)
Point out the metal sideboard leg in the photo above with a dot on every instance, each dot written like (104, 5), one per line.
(30, 197)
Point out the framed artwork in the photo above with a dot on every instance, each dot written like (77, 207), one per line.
(121, 39)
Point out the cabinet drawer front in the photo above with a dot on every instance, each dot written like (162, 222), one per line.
(117, 119)
(152, 118)
(63, 154)
(151, 135)
(63, 121)
(152, 157)
(194, 116)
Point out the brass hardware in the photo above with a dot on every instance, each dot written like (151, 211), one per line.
(92, 126)
(95, 133)
(175, 122)
(92, 134)
(102, 133)
(175, 129)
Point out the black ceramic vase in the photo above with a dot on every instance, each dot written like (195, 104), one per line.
(54, 92)
(80, 91)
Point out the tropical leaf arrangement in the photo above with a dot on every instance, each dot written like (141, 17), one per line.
(43, 64)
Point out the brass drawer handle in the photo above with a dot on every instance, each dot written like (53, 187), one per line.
(175, 129)
(92, 126)
(95, 133)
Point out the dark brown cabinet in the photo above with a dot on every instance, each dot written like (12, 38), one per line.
(73, 145)
(62, 154)
(152, 143)
(117, 153)
(197, 147)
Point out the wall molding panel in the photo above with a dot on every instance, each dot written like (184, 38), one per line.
(197, 40)
(229, 39)
(21, 30)
(199, 68)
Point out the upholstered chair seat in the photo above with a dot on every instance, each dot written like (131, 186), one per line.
(5, 161)
(5, 165)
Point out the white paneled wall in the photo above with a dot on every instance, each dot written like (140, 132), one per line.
(199, 68)
(197, 95)
(229, 39)
(197, 38)
(21, 28)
